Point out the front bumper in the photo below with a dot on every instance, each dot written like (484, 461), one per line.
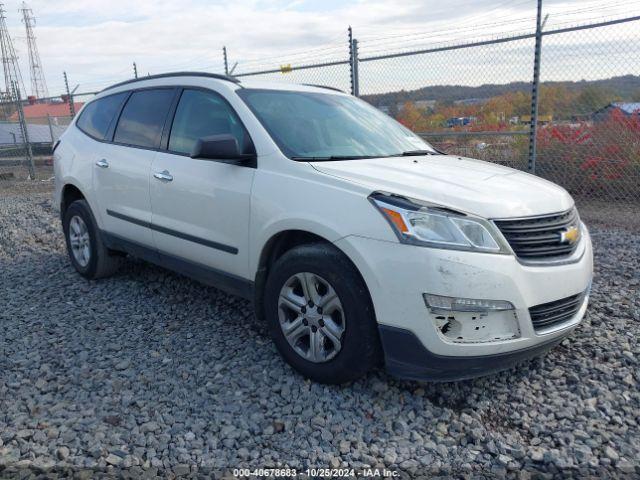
(406, 357)
(397, 276)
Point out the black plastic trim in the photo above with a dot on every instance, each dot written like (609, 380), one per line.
(174, 233)
(168, 121)
(129, 219)
(552, 314)
(111, 131)
(174, 74)
(209, 276)
(539, 238)
(406, 357)
(395, 200)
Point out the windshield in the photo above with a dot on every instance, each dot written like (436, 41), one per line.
(323, 126)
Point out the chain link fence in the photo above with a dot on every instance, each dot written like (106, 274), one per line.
(28, 133)
(333, 74)
(470, 98)
(16, 156)
(591, 143)
(474, 99)
(447, 95)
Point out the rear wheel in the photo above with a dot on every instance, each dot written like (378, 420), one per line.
(320, 315)
(87, 252)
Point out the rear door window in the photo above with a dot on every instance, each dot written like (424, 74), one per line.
(201, 114)
(143, 118)
(98, 115)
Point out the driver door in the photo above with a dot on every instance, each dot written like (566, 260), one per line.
(201, 208)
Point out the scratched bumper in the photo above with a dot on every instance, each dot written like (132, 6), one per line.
(397, 275)
(406, 357)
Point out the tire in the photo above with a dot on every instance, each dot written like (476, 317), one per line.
(95, 261)
(325, 271)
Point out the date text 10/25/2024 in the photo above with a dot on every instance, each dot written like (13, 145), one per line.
(314, 473)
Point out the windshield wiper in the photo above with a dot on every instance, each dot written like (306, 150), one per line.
(410, 153)
(334, 157)
(415, 153)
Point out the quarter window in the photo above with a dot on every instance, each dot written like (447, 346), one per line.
(143, 118)
(202, 114)
(98, 115)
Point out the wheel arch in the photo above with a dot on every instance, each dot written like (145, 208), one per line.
(276, 246)
(70, 193)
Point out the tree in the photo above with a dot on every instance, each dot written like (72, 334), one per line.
(593, 98)
(411, 117)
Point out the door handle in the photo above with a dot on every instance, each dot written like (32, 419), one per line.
(102, 163)
(164, 175)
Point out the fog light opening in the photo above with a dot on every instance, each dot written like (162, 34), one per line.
(464, 326)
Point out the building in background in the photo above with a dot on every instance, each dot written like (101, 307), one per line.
(11, 134)
(625, 108)
(37, 112)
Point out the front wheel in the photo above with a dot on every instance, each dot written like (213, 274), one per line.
(320, 315)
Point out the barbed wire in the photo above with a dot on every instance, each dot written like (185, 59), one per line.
(389, 44)
(423, 36)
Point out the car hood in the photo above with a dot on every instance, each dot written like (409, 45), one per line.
(465, 184)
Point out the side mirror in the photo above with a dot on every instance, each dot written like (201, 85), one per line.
(220, 148)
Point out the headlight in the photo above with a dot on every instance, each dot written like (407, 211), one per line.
(434, 226)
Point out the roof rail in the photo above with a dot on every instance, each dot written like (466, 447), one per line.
(174, 74)
(323, 86)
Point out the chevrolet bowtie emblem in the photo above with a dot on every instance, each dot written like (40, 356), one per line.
(570, 235)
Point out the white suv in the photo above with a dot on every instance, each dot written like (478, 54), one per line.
(359, 243)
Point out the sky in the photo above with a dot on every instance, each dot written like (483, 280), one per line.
(96, 42)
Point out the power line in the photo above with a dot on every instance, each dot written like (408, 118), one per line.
(459, 25)
(295, 53)
(38, 82)
(438, 33)
(418, 39)
(12, 76)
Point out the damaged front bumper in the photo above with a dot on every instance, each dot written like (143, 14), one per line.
(407, 358)
(427, 342)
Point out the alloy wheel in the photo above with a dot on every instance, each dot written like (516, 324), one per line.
(79, 240)
(311, 317)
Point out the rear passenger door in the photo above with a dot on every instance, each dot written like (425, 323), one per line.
(201, 207)
(121, 173)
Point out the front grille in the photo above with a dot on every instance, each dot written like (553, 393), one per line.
(548, 315)
(540, 238)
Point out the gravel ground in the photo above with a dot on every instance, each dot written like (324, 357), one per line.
(150, 373)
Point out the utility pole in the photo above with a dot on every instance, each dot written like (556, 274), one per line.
(226, 62)
(72, 107)
(356, 74)
(535, 87)
(9, 59)
(351, 77)
(38, 83)
(135, 70)
(53, 140)
(353, 63)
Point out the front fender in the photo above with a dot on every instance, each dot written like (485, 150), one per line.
(280, 225)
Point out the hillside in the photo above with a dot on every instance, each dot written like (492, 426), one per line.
(625, 87)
